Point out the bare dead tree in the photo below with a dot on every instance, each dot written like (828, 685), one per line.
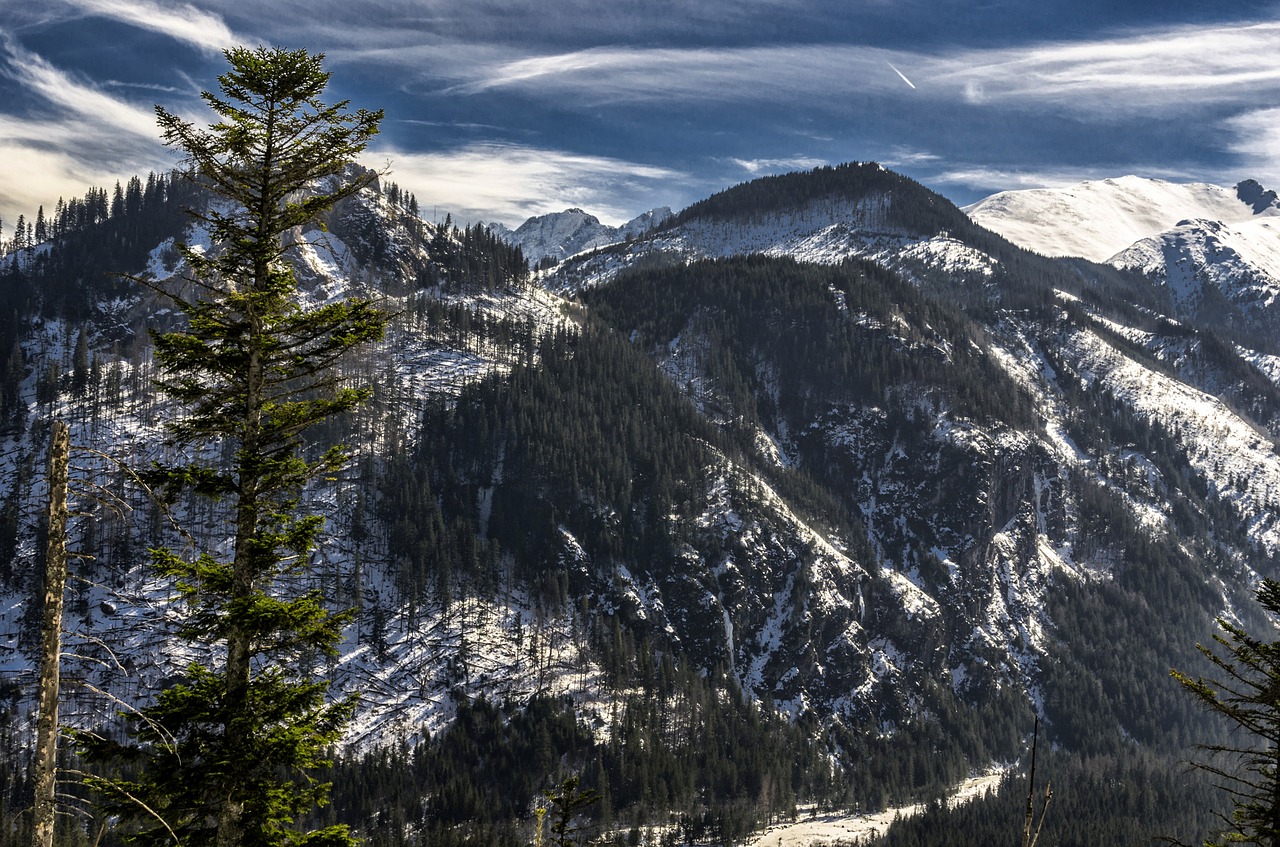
(46, 760)
(1030, 838)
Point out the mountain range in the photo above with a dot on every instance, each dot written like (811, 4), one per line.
(821, 489)
(560, 235)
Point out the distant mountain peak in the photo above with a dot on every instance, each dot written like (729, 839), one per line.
(1100, 218)
(559, 235)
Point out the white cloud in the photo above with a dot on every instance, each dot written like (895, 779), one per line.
(44, 161)
(993, 179)
(74, 98)
(901, 157)
(80, 137)
(508, 183)
(515, 22)
(626, 74)
(180, 21)
(58, 175)
(1258, 144)
(770, 166)
(1147, 72)
(1151, 72)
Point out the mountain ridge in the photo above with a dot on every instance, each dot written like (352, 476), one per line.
(821, 454)
(1100, 218)
(556, 236)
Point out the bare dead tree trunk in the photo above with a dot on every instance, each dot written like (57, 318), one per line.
(46, 763)
(1029, 838)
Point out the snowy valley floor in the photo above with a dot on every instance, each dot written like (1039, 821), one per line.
(845, 828)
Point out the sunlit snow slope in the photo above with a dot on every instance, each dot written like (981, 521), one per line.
(1241, 259)
(1098, 219)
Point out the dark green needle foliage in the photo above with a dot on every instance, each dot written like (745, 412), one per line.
(229, 755)
(565, 804)
(1247, 694)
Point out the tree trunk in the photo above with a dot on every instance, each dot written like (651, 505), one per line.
(1275, 802)
(46, 760)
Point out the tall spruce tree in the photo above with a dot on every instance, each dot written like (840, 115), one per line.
(227, 757)
(1247, 694)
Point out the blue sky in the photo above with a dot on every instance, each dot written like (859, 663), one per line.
(501, 109)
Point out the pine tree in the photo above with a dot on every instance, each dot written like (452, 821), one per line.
(80, 365)
(228, 753)
(133, 196)
(1248, 696)
(565, 804)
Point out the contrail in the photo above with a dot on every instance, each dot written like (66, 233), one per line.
(901, 74)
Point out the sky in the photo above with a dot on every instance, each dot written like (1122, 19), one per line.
(498, 110)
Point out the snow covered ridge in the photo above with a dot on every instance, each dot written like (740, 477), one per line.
(1098, 219)
(1241, 260)
(825, 231)
(111, 649)
(1238, 460)
(969, 524)
(560, 235)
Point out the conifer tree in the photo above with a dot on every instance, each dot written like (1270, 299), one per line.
(80, 364)
(1247, 694)
(227, 755)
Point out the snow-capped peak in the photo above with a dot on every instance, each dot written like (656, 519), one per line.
(562, 234)
(1098, 219)
(1241, 260)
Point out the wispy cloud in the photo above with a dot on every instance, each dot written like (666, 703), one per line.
(625, 74)
(755, 167)
(509, 183)
(992, 179)
(1148, 72)
(143, 86)
(73, 98)
(901, 157)
(1257, 143)
(50, 174)
(1145, 72)
(181, 21)
(77, 136)
(521, 24)
(453, 124)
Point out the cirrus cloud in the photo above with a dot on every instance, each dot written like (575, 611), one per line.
(77, 136)
(756, 167)
(1257, 142)
(512, 182)
(1149, 71)
(180, 21)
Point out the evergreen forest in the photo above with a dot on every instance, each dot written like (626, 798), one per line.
(714, 499)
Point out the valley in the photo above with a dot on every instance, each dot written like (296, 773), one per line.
(812, 495)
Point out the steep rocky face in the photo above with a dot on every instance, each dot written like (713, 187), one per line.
(1260, 199)
(987, 521)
